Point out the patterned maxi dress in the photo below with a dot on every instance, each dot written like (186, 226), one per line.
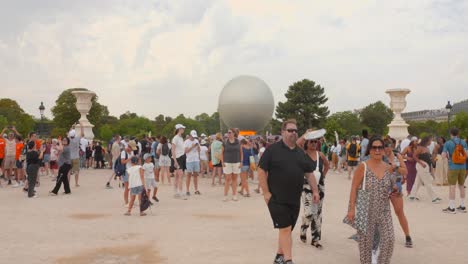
(379, 220)
(311, 218)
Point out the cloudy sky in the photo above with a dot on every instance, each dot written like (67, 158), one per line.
(174, 56)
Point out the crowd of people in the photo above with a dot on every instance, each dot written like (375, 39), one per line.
(290, 170)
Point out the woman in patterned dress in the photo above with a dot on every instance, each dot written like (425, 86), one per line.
(379, 185)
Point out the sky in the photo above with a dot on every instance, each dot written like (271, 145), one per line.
(174, 56)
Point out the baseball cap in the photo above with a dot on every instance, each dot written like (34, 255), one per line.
(179, 126)
(132, 144)
(72, 133)
(147, 155)
(203, 135)
(193, 133)
(414, 139)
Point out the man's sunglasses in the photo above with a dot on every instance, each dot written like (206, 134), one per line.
(292, 130)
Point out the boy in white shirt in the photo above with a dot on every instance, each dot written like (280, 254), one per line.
(136, 183)
(150, 176)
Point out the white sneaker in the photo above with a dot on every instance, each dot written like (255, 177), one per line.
(225, 199)
(234, 198)
(16, 185)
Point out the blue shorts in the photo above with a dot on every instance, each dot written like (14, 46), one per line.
(19, 164)
(193, 166)
(125, 177)
(245, 168)
(136, 190)
(46, 158)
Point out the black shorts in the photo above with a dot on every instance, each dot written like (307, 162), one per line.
(19, 164)
(219, 165)
(182, 161)
(283, 215)
(352, 163)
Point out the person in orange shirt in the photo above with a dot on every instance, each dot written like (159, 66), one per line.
(19, 162)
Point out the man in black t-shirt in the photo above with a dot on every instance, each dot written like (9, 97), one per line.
(281, 176)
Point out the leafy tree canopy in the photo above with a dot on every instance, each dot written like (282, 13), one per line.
(305, 102)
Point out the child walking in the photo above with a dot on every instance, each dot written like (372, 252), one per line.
(136, 183)
(150, 175)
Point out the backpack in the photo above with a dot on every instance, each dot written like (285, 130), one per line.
(459, 154)
(352, 151)
(165, 150)
(119, 167)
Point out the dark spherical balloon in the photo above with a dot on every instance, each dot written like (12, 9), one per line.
(246, 102)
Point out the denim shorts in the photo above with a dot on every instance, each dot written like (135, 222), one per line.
(193, 166)
(136, 190)
(125, 177)
(245, 168)
(46, 158)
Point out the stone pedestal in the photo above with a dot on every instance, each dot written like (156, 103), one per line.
(398, 128)
(83, 105)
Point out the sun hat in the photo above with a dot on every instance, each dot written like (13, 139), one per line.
(315, 134)
(132, 144)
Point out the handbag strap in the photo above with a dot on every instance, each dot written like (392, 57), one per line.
(365, 176)
(318, 162)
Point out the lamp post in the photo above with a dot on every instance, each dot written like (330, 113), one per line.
(448, 107)
(41, 110)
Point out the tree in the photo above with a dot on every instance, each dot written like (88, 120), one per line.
(376, 116)
(347, 122)
(305, 102)
(65, 113)
(15, 115)
(461, 122)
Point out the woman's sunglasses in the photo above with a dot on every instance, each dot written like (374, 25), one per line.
(377, 147)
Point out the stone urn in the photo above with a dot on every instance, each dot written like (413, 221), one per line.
(398, 128)
(83, 105)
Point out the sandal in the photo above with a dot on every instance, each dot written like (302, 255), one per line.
(316, 244)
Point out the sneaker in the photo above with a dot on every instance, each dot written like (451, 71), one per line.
(197, 192)
(156, 199)
(279, 259)
(187, 193)
(35, 196)
(16, 185)
(177, 196)
(109, 187)
(225, 199)
(52, 194)
(449, 210)
(234, 198)
(184, 197)
(461, 209)
(409, 242)
(436, 200)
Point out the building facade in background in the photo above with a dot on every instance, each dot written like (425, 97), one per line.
(438, 115)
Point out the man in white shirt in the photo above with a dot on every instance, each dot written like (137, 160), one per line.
(192, 151)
